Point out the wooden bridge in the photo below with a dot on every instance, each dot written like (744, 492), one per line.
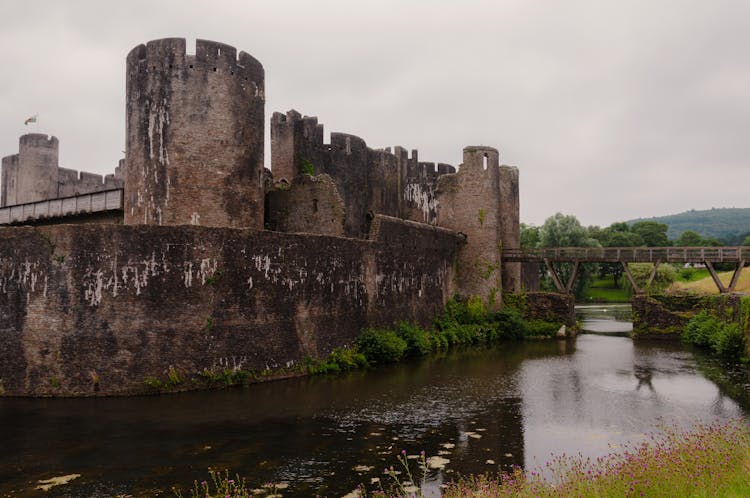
(707, 256)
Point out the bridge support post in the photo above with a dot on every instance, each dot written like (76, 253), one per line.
(653, 274)
(555, 277)
(736, 275)
(732, 283)
(715, 277)
(631, 279)
(573, 275)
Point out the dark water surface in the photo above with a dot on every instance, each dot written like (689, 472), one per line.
(511, 405)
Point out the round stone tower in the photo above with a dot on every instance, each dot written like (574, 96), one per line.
(194, 140)
(36, 178)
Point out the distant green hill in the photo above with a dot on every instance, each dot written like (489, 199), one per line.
(730, 225)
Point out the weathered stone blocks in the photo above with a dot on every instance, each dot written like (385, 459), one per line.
(93, 310)
(194, 144)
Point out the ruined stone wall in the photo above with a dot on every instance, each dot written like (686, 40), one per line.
(310, 204)
(194, 139)
(665, 316)
(370, 181)
(92, 310)
(551, 307)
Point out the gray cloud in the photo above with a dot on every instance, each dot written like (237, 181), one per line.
(612, 110)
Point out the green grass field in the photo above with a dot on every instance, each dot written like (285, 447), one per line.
(702, 283)
(603, 290)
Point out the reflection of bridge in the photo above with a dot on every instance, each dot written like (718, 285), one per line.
(624, 255)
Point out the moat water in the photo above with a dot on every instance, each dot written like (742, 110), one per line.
(484, 409)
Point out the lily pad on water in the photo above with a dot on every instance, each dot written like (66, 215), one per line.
(437, 462)
(47, 484)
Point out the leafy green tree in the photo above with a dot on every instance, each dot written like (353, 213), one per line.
(529, 236)
(653, 234)
(689, 238)
(562, 230)
(618, 234)
(746, 242)
(665, 276)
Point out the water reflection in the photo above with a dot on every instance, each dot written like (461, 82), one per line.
(605, 319)
(482, 410)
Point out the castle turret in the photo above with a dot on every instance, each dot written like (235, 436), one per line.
(31, 175)
(194, 150)
(470, 202)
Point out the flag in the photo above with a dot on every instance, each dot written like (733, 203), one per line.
(32, 119)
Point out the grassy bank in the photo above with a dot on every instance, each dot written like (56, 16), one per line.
(710, 460)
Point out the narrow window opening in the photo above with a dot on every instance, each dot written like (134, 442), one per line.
(484, 162)
(315, 205)
(191, 66)
(214, 69)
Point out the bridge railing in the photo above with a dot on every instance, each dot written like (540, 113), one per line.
(631, 254)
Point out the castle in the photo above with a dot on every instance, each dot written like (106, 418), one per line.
(194, 259)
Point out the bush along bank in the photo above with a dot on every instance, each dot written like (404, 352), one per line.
(726, 339)
(464, 322)
(718, 324)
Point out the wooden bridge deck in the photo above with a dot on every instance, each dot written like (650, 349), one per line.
(630, 255)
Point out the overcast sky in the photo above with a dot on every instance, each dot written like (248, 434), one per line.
(612, 110)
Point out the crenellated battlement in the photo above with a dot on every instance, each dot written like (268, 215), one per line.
(40, 140)
(370, 180)
(169, 57)
(186, 115)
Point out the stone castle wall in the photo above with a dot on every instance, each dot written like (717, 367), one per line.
(93, 310)
(34, 175)
(369, 181)
(356, 237)
(194, 138)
